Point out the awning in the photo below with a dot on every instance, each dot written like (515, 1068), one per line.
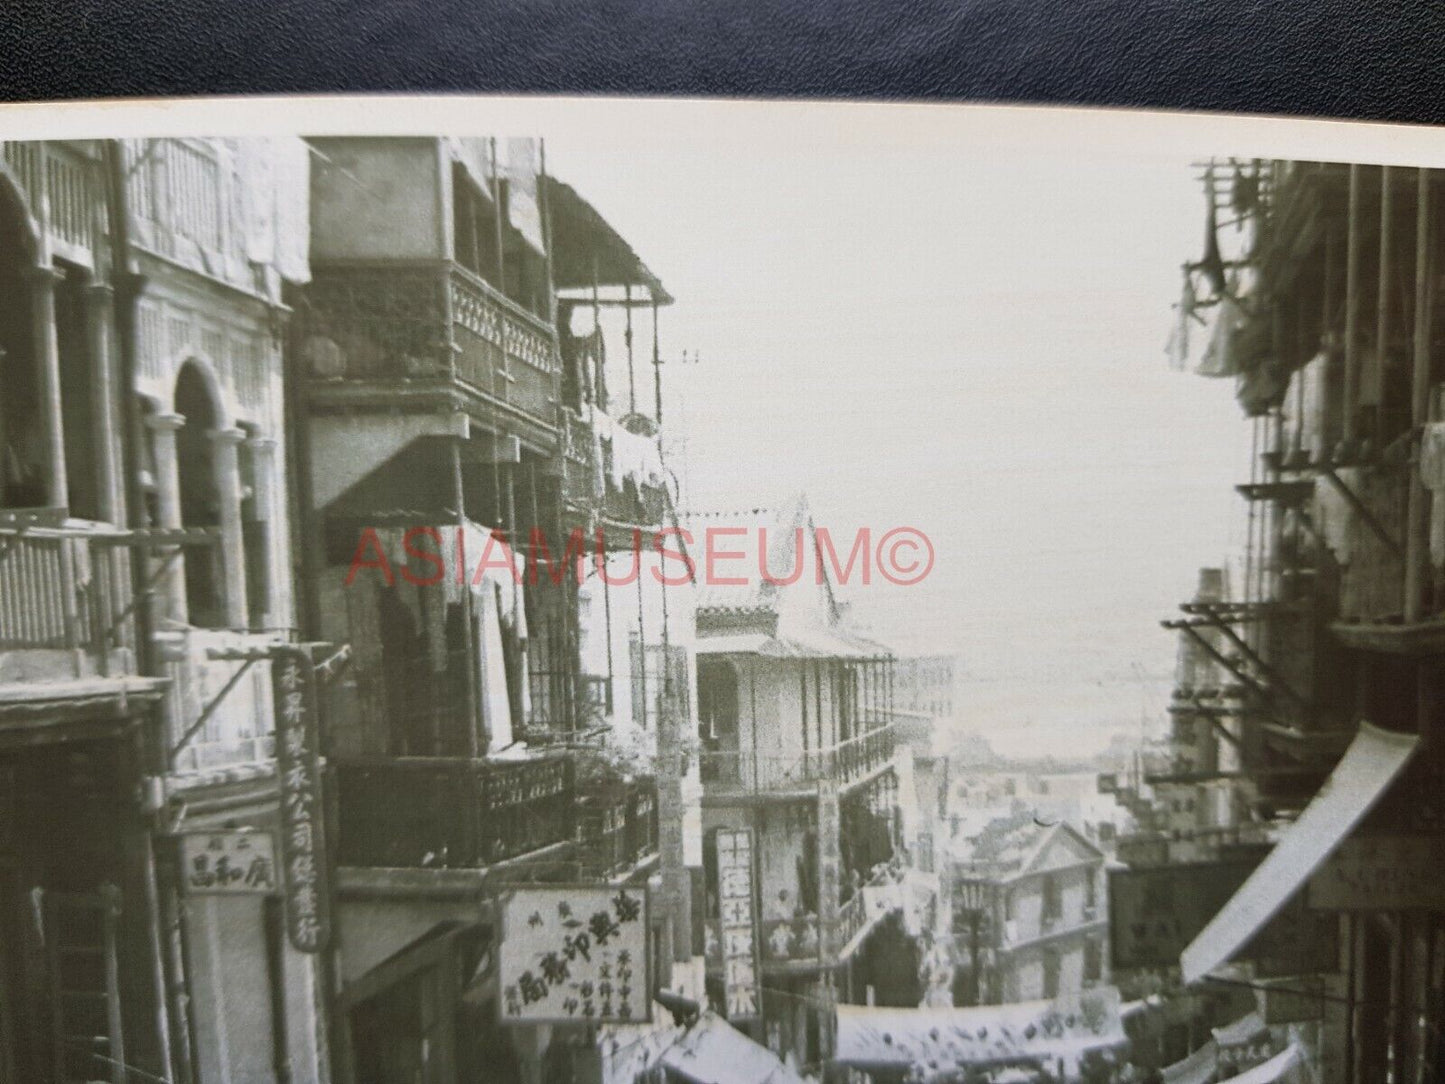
(586, 249)
(1369, 765)
(1283, 1066)
(714, 1052)
(1198, 1068)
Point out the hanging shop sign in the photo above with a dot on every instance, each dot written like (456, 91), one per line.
(574, 954)
(229, 863)
(830, 866)
(303, 852)
(1154, 913)
(738, 923)
(1381, 873)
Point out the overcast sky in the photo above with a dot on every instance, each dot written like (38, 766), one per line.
(964, 342)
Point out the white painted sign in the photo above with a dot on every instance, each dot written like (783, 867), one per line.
(229, 863)
(738, 923)
(574, 954)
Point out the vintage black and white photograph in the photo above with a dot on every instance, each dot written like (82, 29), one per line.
(638, 592)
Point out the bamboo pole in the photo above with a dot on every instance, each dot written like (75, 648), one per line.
(1417, 538)
(1352, 307)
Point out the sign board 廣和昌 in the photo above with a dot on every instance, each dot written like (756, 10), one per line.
(738, 923)
(574, 954)
(229, 863)
(1381, 873)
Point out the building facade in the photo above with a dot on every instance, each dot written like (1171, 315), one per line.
(798, 749)
(145, 585)
(1030, 914)
(1321, 307)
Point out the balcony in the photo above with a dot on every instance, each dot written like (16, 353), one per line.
(59, 593)
(451, 812)
(850, 763)
(626, 494)
(617, 828)
(431, 335)
(65, 612)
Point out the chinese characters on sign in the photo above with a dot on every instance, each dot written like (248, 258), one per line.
(229, 863)
(1155, 912)
(830, 865)
(1381, 873)
(738, 922)
(303, 854)
(573, 953)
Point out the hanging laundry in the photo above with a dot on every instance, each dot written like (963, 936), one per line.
(1212, 263)
(1220, 356)
(522, 204)
(496, 707)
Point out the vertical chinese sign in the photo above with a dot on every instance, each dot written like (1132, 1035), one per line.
(738, 926)
(830, 863)
(303, 853)
(574, 954)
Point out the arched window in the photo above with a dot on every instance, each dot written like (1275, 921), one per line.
(199, 495)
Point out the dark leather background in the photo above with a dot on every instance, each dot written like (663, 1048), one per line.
(1330, 57)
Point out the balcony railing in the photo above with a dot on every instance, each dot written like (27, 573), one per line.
(847, 762)
(62, 592)
(452, 813)
(618, 828)
(429, 323)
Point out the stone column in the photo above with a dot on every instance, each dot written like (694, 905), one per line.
(43, 281)
(163, 429)
(277, 606)
(228, 494)
(99, 317)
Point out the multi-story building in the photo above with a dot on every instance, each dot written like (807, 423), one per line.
(926, 683)
(1030, 917)
(1324, 315)
(798, 748)
(515, 703)
(1189, 800)
(145, 585)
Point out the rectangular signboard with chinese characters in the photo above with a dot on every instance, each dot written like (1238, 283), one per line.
(574, 954)
(737, 925)
(229, 863)
(1381, 873)
(303, 854)
(1155, 912)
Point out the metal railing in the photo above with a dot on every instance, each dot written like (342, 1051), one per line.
(846, 762)
(618, 828)
(444, 812)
